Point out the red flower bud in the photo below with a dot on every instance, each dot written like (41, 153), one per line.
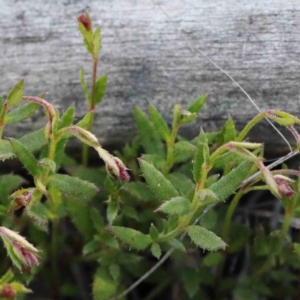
(8, 292)
(85, 21)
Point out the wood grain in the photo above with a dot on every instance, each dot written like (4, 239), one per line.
(148, 60)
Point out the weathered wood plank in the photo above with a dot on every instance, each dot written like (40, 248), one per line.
(148, 60)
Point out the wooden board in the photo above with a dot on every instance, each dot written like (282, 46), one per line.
(147, 59)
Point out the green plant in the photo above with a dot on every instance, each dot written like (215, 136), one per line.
(174, 204)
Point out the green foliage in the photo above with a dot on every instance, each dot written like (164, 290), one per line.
(26, 157)
(21, 113)
(15, 94)
(100, 89)
(176, 206)
(204, 238)
(148, 136)
(159, 123)
(131, 237)
(91, 224)
(73, 186)
(158, 183)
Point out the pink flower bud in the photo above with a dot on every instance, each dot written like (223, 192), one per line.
(26, 253)
(283, 186)
(269, 179)
(123, 174)
(20, 198)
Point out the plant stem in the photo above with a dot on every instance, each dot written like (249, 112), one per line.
(288, 215)
(250, 125)
(54, 259)
(92, 105)
(229, 214)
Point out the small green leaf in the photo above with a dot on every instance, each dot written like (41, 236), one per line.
(84, 87)
(159, 123)
(226, 159)
(26, 157)
(139, 190)
(97, 41)
(103, 285)
(130, 212)
(21, 113)
(149, 138)
(38, 212)
(207, 193)
(48, 163)
(114, 271)
(228, 184)
(67, 118)
(199, 158)
(156, 250)
(157, 161)
(100, 89)
(177, 245)
(8, 184)
(176, 115)
(183, 151)
(90, 247)
(20, 288)
(35, 140)
(14, 97)
(7, 277)
(73, 186)
(112, 186)
(184, 184)
(211, 180)
(160, 186)
(196, 106)
(176, 206)
(60, 156)
(186, 117)
(13, 255)
(83, 123)
(283, 122)
(6, 150)
(112, 211)
(204, 238)
(87, 37)
(229, 132)
(153, 232)
(132, 237)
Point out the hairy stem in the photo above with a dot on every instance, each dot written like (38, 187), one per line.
(229, 214)
(85, 150)
(250, 125)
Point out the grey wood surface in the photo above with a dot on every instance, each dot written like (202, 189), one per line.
(147, 59)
